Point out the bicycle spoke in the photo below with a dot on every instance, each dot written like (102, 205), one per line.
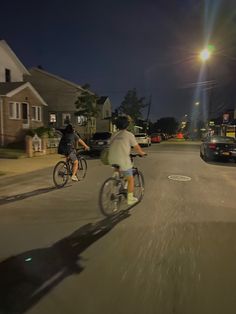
(60, 174)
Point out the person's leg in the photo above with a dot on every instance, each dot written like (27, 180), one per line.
(75, 167)
(75, 161)
(130, 179)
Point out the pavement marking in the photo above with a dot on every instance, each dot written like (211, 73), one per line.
(176, 177)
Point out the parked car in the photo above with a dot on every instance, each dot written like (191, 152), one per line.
(156, 137)
(164, 136)
(233, 154)
(215, 147)
(143, 139)
(99, 141)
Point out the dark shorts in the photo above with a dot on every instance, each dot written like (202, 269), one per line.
(73, 155)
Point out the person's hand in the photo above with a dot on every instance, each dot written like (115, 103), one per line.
(87, 148)
(143, 154)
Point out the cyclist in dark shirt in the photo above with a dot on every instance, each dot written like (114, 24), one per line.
(67, 147)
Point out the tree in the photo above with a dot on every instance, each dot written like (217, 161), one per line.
(86, 104)
(132, 105)
(168, 125)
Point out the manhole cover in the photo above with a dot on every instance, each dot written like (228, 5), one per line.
(176, 177)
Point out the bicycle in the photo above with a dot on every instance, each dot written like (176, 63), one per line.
(63, 170)
(114, 190)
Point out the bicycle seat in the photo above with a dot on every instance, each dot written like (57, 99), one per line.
(115, 166)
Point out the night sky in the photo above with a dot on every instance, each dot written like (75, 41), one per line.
(119, 45)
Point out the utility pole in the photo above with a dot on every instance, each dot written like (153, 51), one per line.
(149, 109)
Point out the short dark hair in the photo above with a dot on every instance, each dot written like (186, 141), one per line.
(122, 122)
(69, 128)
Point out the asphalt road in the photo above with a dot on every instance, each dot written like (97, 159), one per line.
(174, 253)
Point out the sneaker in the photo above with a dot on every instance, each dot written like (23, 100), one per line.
(131, 200)
(74, 178)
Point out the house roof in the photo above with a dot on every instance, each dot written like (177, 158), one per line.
(32, 70)
(12, 88)
(10, 52)
(101, 100)
(5, 88)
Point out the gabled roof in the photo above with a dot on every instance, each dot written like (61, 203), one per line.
(101, 100)
(32, 70)
(10, 89)
(5, 88)
(10, 52)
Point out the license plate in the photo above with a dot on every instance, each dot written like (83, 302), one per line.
(225, 153)
(100, 143)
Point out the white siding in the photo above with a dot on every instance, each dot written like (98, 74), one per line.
(6, 62)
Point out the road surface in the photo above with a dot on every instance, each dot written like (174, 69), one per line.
(175, 252)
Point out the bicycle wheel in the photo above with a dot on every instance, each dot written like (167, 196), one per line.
(138, 185)
(81, 173)
(60, 174)
(110, 196)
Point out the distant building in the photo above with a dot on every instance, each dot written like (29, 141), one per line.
(21, 106)
(104, 118)
(61, 96)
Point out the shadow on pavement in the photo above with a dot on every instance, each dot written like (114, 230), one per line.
(29, 276)
(22, 196)
(224, 163)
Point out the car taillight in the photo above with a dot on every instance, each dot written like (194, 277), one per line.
(212, 146)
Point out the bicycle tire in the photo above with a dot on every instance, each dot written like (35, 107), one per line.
(60, 172)
(113, 200)
(138, 185)
(81, 173)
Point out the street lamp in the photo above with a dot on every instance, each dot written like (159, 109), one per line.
(197, 103)
(205, 54)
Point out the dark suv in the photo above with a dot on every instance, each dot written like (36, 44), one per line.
(99, 141)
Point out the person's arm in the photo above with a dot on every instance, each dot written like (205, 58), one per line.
(135, 145)
(139, 150)
(86, 147)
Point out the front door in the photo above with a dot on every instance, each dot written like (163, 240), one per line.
(25, 115)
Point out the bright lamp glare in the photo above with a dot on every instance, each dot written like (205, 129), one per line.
(205, 54)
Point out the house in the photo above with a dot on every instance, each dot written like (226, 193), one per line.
(60, 95)
(103, 120)
(21, 106)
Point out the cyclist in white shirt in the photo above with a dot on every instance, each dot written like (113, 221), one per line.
(119, 153)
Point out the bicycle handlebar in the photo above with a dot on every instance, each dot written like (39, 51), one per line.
(133, 155)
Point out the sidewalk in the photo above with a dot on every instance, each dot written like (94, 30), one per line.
(12, 167)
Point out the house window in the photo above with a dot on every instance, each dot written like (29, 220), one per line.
(7, 75)
(66, 118)
(52, 117)
(81, 120)
(14, 110)
(36, 113)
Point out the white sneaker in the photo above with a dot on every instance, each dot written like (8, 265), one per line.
(131, 199)
(74, 178)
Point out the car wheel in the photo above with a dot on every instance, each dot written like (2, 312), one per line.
(207, 156)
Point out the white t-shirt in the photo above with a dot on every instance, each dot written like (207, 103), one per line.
(120, 149)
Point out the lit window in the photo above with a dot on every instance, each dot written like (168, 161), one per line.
(66, 118)
(52, 117)
(81, 120)
(36, 113)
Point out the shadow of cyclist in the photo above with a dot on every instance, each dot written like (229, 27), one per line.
(27, 277)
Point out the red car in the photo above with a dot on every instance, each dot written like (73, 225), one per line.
(155, 138)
